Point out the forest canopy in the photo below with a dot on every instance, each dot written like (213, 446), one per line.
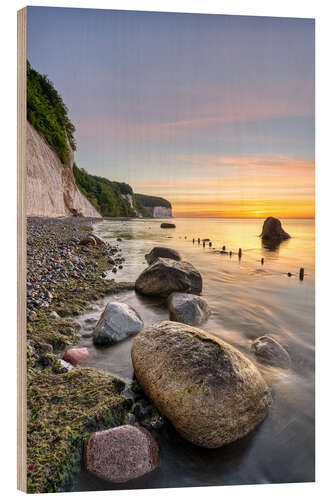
(105, 195)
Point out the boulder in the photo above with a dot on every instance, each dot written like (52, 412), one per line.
(272, 230)
(166, 225)
(269, 351)
(188, 308)
(164, 252)
(209, 391)
(76, 356)
(117, 322)
(165, 276)
(121, 453)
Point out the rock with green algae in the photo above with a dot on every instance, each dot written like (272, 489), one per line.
(209, 391)
(62, 410)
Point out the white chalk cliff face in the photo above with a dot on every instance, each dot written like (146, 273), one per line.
(51, 187)
(159, 212)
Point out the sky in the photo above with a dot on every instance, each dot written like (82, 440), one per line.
(214, 113)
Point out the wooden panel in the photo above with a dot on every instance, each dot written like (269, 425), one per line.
(21, 248)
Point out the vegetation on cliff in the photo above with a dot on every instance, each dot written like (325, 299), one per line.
(151, 201)
(47, 112)
(108, 197)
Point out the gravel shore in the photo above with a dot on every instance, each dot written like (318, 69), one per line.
(63, 279)
(54, 257)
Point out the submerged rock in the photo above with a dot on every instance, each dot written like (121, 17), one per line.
(117, 322)
(166, 225)
(76, 356)
(188, 308)
(210, 392)
(165, 276)
(164, 252)
(272, 230)
(121, 453)
(271, 352)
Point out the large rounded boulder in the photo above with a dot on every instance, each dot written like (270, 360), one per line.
(117, 322)
(270, 352)
(121, 453)
(164, 252)
(165, 276)
(188, 308)
(210, 392)
(272, 230)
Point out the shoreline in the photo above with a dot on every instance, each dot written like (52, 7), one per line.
(63, 406)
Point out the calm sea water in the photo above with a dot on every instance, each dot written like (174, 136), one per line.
(248, 300)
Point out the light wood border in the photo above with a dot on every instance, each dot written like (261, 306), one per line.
(21, 250)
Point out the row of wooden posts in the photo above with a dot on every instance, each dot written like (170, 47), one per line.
(301, 271)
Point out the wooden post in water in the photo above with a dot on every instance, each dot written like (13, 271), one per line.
(210, 243)
(239, 252)
(262, 261)
(193, 241)
(204, 244)
(223, 248)
(301, 273)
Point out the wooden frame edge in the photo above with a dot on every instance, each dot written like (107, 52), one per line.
(21, 250)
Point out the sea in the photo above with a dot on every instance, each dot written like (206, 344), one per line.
(248, 298)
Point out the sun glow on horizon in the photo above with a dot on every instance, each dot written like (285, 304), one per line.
(240, 187)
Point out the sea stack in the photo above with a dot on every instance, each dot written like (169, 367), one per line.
(272, 230)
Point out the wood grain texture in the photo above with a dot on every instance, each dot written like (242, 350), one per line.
(21, 249)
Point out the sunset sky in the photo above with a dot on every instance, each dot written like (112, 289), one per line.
(214, 113)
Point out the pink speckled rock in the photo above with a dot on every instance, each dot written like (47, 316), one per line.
(121, 453)
(76, 356)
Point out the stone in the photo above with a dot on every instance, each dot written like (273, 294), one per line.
(164, 252)
(165, 276)
(269, 351)
(65, 366)
(210, 392)
(117, 322)
(272, 230)
(166, 225)
(121, 453)
(77, 355)
(90, 240)
(188, 308)
(98, 240)
(45, 347)
(54, 315)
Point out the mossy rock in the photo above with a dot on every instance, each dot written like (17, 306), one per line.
(209, 391)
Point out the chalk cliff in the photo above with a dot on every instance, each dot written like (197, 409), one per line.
(159, 212)
(51, 187)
